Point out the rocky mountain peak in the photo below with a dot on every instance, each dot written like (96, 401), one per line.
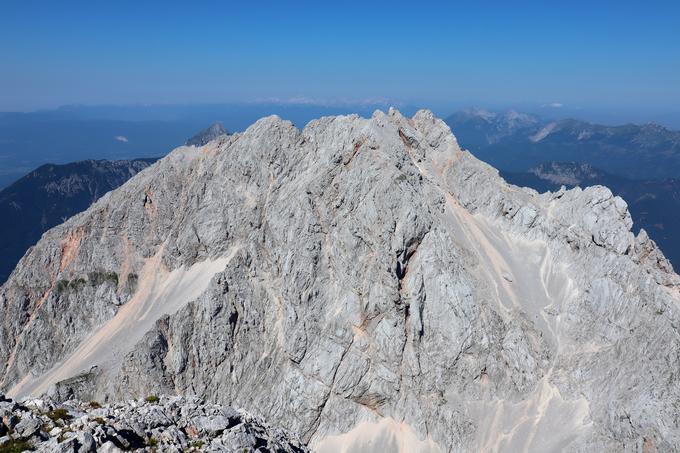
(480, 113)
(207, 135)
(364, 283)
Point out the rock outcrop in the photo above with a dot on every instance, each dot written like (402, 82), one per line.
(167, 424)
(365, 284)
(654, 205)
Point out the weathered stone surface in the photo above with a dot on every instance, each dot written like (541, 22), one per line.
(86, 442)
(361, 280)
(83, 429)
(27, 426)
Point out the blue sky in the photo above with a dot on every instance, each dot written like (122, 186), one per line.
(610, 55)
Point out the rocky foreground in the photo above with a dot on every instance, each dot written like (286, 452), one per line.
(169, 424)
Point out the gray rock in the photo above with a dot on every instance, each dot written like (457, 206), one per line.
(67, 446)
(27, 426)
(78, 385)
(132, 429)
(359, 282)
(211, 425)
(109, 447)
(172, 436)
(7, 406)
(86, 442)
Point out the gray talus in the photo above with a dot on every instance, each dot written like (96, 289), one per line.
(376, 288)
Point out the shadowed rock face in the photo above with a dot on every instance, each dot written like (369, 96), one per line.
(363, 280)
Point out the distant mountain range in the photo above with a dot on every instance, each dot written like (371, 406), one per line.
(654, 204)
(51, 194)
(516, 141)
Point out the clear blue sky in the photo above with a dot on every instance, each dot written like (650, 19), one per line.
(606, 54)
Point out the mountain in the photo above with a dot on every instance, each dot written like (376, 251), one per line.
(514, 142)
(654, 204)
(51, 194)
(482, 127)
(207, 135)
(363, 283)
(114, 132)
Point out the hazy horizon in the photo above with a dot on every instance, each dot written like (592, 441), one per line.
(174, 111)
(611, 56)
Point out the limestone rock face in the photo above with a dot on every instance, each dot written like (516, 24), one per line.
(50, 194)
(364, 283)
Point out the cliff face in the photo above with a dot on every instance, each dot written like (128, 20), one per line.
(654, 204)
(51, 194)
(361, 280)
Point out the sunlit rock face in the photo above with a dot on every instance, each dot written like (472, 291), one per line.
(365, 284)
(51, 194)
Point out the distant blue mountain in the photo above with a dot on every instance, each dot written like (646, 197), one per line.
(515, 141)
